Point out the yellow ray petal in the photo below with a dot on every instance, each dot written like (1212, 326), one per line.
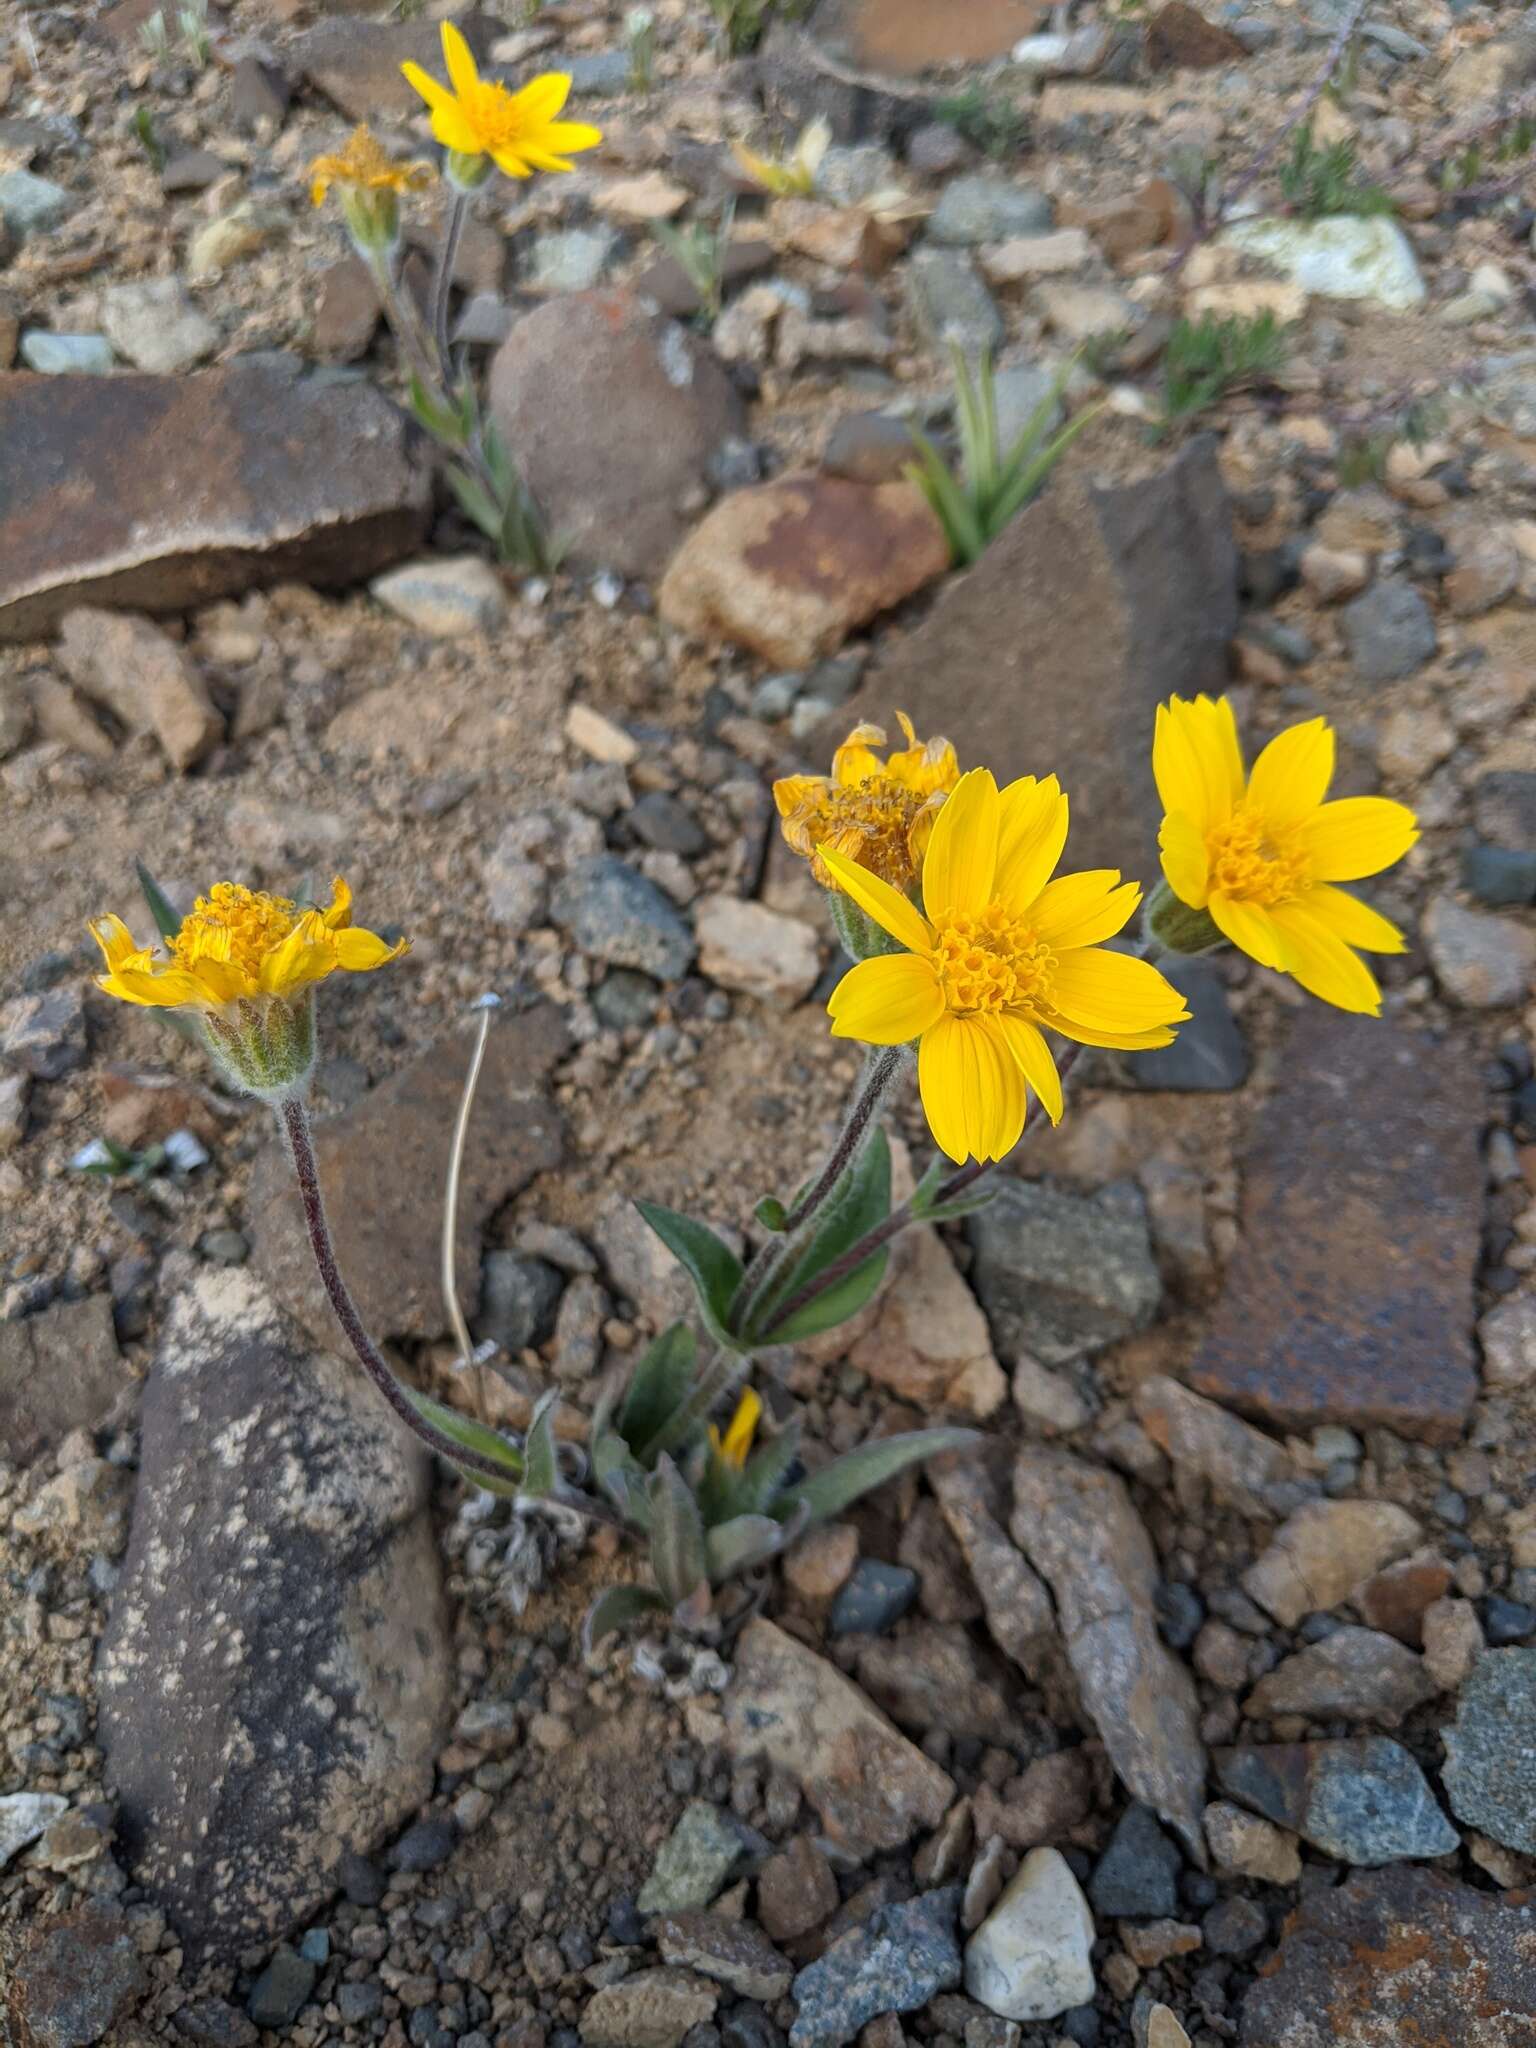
(1249, 927)
(462, 69)
(512, 163)
(1117, 1041)
(169, 989)
(972, 1090)
(360, 952)
(1196, 761)
(1291, 777)
(1031, 832)
(339, 915)
(115, 940)
(887, 906)
(1351, 920)
(1028, 1047)
(1002, 1101)
(791, 791)
(962, 854)
(854, 761)
(1186, 864)
(1113, 992)
(889, 1000)
(454, 129)
(432, 90)
(1324, 965)
(543, 97)
(1083, 909)
(1356, 836)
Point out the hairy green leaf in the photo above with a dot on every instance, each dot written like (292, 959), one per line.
(859, 1202)
(709, 1263)
(835, 1305)
(660, 1382)
(541, 1454)
(616, 1608)
(738, 1545)
(857, 1472)
(472, 1436)
(677, 1535)
(167, 923)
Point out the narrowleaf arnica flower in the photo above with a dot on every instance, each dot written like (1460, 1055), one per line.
(998, 955)
(370, 182)
(245, 964)
(878, 814)
(1256, 858)
(481, 123)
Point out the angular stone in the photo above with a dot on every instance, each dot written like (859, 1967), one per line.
(872, 1787)
(143, 678)
(987, 208)
(1076, 1524)
(905, 37)
(1356, 1674)
(1092, 607)
(1060, 1275)
(445, 596)
(162, 493)
(1138, 1874)
(356, 64)
(1327, 1550)
(755, 950)
(1031, 1958)
(1350, 1296)
(281, 1537)
(70, 1978)
(615, 914)
(1241, 1466)
(378, 1157)
(153, 324)
(949, 303)
(1020, 1618)
(1243, 1845)
(1362, 1799)
(1048, 1798)
(694, 1862)
(932, 1675)
(1342, 256)
(895, 1962)
(927, 1331)
(1398, 1597)
(1389, 630)
(59, 1371)
(1398, 1956)
(796, 1890)
(1490, 1750)
(615, 414)
(44, 1035)
(733, 1952)
(25, 1818)
(1180, 38)
(651, 2009)
(1480, 961)
(790, 568)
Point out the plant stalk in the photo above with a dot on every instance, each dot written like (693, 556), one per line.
(442, 276)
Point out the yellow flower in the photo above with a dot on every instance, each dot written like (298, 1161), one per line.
(999, 955)
(364, 166)
(795, 173)
(876, 813)
(1261, 853)
(738, 1437)
(518, 131)
(246, 963)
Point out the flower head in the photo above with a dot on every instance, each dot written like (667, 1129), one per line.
(737, 1441)
(246, 962)
(998, 955)
(1261, 854)
(876, 813)
(366, 166)
(519, 131)
(795, 173)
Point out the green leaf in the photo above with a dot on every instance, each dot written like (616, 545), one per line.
(1032, 476)
(442, 422)
(836, 1305)
(771, 1213)
(738, 1545)
(475, 502)
(709, 1263)
(677, 1535)
(167, 923)
(765, 1470)
(473, 1436)
(616, 1608)
(838, 1485)
(659, 1384)
(541, 1454)
(962, 1205)
(860, 1201)
(956, 514)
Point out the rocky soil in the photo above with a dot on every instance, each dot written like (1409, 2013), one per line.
(1200, 1707)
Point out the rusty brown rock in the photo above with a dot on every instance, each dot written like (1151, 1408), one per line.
(143, 678)
(796, 1890)
(1078, 1527)
(1092, 607)
(1397, 1598)
(65, 1982)
(1180, 38)
(790, 568)
(1350, 1297)
(160, 493)
(904, 37)
(381, 1160)
(615, 414)
(1399, 1955)
(872, 1787)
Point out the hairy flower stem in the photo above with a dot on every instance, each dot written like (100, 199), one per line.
(882, 1065)
(442, 276)
(295, 1121)
(962, 1179)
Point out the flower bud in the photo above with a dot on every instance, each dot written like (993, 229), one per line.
(264, 1045)
(1177, 926)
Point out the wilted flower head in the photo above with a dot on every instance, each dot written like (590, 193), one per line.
(475, 118)
(371, 183)
(879, 814)
(795, 173)
(246, 964)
